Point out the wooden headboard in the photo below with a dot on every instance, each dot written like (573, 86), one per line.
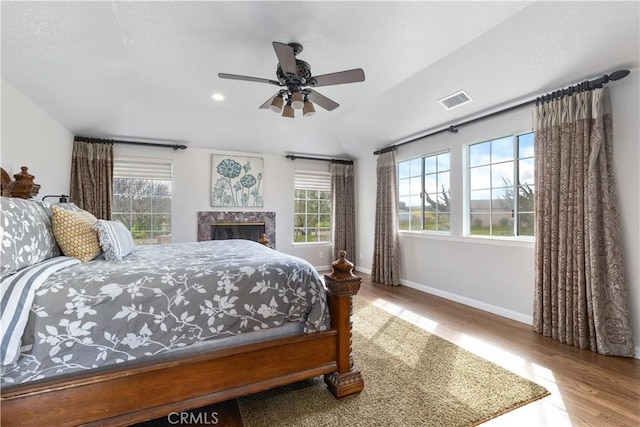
(22, 187)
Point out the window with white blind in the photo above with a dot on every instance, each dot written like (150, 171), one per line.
(312, 207)
(142, 198)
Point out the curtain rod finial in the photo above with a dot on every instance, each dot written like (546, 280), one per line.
(620, 74)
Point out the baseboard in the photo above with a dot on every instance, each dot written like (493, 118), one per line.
(500, 311)
(363, 270)
(509, 314)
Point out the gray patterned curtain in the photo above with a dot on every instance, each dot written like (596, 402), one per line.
(343, 210)
(386, 267)
(92, 177)
(580, 291)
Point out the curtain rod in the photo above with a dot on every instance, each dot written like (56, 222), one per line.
(338, 161)
(114, 141)
(558, 94)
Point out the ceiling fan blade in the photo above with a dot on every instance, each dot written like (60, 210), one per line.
(341, 77)
(247, 78)
(286, 57)
(321, 100)
(267, 103)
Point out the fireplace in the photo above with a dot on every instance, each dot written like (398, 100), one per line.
(237, 230)
(214, 224)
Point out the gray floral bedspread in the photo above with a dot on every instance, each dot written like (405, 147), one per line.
(162, 298)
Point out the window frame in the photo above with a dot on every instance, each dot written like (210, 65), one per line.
(515, 187)
(424, 194)
(142, 168)
(313, 181)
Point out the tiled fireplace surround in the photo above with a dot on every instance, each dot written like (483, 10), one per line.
(205, 219)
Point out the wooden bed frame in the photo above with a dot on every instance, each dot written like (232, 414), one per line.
(148, 390)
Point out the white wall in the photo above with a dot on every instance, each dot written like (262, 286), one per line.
(498, 275)
(625, 107)
(365, 183)
(31, 138)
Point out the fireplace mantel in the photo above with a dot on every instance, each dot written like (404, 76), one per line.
(205, 219)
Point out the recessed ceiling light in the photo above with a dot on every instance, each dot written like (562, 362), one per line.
(217, 97)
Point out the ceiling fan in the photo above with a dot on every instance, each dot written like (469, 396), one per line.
(294, 76)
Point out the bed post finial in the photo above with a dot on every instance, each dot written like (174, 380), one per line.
(23, 186)
(341, 285)
(264, 241)
(342, 267)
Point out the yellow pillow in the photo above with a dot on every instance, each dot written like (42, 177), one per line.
(74, 233)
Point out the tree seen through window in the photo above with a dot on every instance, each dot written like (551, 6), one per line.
(144, 206)
(312, 216)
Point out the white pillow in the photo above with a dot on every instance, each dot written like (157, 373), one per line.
(115, 239)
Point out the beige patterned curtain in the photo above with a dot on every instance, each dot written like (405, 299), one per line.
(386, 267)
(580, 290)
(92, 177)
(343, 210)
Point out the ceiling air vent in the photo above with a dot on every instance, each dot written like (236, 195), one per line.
(455, 100)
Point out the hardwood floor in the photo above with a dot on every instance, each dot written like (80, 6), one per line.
(587, 389)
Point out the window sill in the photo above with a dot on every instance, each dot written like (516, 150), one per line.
(522, 242)
(303, 244)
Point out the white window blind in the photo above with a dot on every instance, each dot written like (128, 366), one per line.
(312, 180)
(142, 168)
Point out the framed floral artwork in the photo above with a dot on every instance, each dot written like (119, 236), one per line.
(237, 181)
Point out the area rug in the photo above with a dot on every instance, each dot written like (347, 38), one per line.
(412, 378)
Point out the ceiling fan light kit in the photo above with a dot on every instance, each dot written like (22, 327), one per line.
(308, 109)
(297, 101)
(294, 76)
(276, 104)
(287, 111)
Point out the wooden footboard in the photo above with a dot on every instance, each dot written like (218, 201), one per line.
(125, 396)
(122, 396)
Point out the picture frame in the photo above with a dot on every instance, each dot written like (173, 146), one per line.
(237, 181)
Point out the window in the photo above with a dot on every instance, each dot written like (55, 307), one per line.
(142, 198)
(312, 207)
(498, 170)
(423, 191)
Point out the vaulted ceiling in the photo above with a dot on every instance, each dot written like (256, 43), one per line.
(146, 71)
